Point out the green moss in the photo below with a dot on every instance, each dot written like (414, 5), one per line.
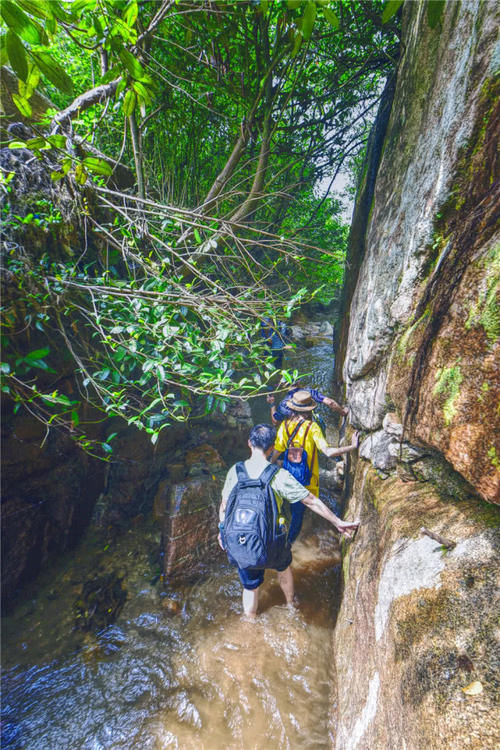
(487, 514)
(448, 382)
(485, 310)
(492, 455)
(345, 564)
(403, 341)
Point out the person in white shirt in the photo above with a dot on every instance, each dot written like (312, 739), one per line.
(286, 488)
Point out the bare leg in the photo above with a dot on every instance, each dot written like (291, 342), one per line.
(285, 579)
(250, 602)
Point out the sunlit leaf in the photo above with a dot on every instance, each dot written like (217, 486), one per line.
(22, 104)
(129, 102)
(331, 17)
(131, 63)
(38, 8)
(308, 19)
(98, 166)
(131, 13)
(390, 9)
(17, 55)
(54, 72)
(18, 21)
(81, 174)
(36, 143)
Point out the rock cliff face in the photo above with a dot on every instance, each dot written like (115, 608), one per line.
(420, 364)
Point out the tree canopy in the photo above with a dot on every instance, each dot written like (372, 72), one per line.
(234, 119)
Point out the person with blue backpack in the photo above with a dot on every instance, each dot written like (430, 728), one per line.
(300, 438)
(254, 518)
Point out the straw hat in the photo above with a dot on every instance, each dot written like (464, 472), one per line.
(302, 401)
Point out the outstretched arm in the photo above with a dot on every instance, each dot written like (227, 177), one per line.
(330, 451)
(270, 400)
(334, 406)
(347, 528)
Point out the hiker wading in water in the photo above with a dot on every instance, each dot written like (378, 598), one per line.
(299, 430)
(285, 489)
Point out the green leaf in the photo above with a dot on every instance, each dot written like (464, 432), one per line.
(197, 236)
(98, 166)
(36, 143)
(107, 448)
(142, 92)
(297, 44)
(58, 141)
(38, 8)
(17, 144)
(4, 368)
(131, 13)
(390, 9)
(435, 10)
(308, 20)
(38, 353)
(81, 174)
(122, 85)
(294, 4)
(85, 5)
(4, 58)
(133, 65)
(19, 22)
(75, 418)
(331, 17)
(129, 102)
(54, 72)
(26, 89)
(17, 55)
(112, 74)
(22, 104)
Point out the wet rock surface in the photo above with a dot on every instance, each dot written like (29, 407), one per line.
(417, 623)
(424, 323)
(417, 653)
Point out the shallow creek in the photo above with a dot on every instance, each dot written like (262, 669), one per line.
(178, 669)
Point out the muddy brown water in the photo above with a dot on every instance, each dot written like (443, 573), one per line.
(196, 675)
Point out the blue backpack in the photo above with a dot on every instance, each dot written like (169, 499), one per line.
(254, 535)
(295, 460)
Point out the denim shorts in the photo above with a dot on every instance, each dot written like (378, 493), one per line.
(251, 578)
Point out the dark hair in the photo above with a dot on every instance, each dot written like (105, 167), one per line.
(262, 436)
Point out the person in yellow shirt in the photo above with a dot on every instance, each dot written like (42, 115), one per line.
(300, 430)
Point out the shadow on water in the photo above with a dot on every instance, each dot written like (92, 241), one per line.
(194, 675)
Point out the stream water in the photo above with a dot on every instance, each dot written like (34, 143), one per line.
(178, 669)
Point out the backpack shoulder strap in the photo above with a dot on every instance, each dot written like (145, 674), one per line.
(241, 472)
(291, 437)
(267, 475)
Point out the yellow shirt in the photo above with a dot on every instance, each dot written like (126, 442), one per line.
(314, 443)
